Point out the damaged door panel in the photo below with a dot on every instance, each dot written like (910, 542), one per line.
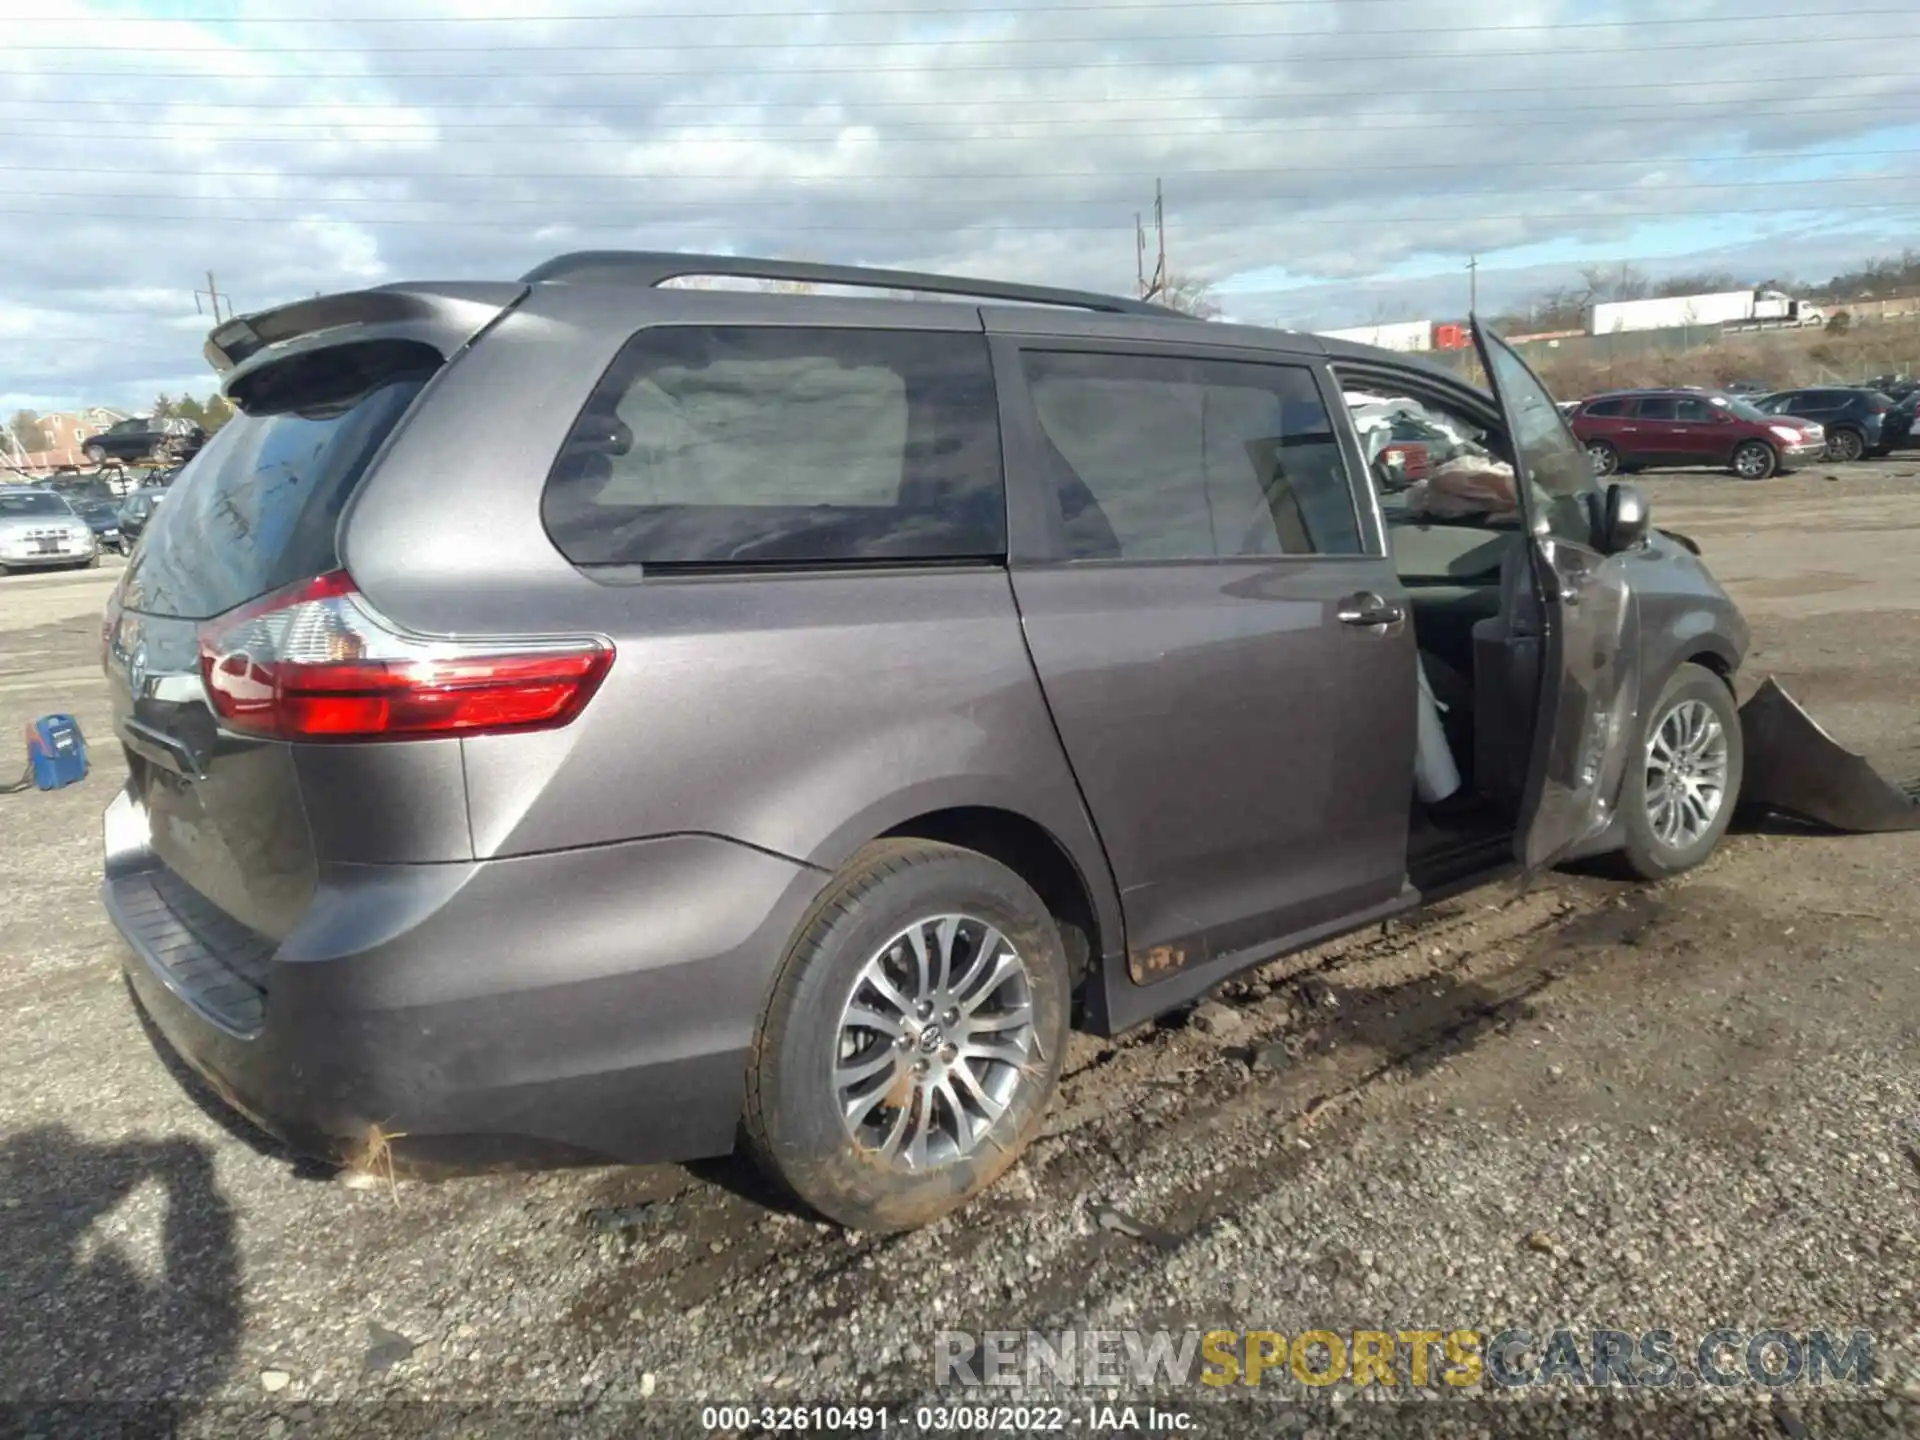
(1796, 769)
(1589, 692)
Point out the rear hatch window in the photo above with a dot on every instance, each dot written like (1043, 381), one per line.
(259, 507)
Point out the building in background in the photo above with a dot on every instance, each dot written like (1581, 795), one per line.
(65, 435)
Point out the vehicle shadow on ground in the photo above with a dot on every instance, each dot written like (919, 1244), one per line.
(120, 1276)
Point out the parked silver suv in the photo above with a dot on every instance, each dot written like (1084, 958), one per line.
(599, 717)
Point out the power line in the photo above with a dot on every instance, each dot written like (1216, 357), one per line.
(1079, 102)
(868, 177)
(1524, 27)
(628, 16)
(1156, 62)
(662, 203)
(947, 132)
(1103, 173)
(1814, 207)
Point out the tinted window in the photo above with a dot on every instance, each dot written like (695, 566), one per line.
(1693, 410)
(34, 506)
(738, 445)
(1658, 407)
(259, 506)
(1172, 459)
(1557, 469)
(1606, 408)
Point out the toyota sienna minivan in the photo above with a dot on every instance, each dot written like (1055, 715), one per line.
(602, 717)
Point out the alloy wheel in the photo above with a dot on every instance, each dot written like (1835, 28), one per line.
(933, 1041)
(1752, 462)
(1686, 774)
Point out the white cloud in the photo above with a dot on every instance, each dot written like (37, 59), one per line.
(1329, 140)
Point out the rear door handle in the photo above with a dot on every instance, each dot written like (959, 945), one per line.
(1368, 609)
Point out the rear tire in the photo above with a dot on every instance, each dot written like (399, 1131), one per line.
(1753, 460)
(875, 1125)
(95, 454)
(1606, 459)
(1690, 748)
(1846, 445)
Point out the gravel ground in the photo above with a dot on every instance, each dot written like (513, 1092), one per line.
(1582, 1104)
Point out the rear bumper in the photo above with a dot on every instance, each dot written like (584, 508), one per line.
(596, 1002)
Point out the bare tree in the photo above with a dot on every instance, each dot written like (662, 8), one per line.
(1604, 284)
(1698, 282)
(1190, 295)
(30, 431)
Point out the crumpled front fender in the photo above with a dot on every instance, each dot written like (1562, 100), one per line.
(1794, 768)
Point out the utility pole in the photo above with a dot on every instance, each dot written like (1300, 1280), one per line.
(1150, 287)
(1473, 284)
(214, 299)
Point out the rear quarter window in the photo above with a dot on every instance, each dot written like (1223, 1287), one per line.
(736, 445)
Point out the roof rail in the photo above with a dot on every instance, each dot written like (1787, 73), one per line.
(644, 267)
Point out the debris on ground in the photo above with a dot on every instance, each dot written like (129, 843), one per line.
(387, 1348)
(1124, 1224)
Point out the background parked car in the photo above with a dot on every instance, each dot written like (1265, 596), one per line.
(1902, 428)
(146, 437)
(1898, 386)
(134, 513)
(38, 527)
(94, 501)
(1854, 419)
(1629, 429)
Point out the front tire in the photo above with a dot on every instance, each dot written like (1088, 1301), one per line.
(1606, 459)
(1754, 460)
(95, 454)
(914, 1037)
(1681, 790)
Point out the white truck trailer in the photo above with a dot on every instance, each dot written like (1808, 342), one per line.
(1736, 309)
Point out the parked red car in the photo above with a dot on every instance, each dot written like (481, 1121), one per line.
(1631, 429)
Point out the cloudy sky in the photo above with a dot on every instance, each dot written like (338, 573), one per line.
(1326, 161)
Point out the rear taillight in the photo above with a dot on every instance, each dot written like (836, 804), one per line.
(316, 662)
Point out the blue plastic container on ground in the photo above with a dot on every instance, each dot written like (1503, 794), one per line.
(57, 751)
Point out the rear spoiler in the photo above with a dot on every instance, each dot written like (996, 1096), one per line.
(445, 317)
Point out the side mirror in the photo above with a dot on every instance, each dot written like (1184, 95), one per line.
(1628, 518)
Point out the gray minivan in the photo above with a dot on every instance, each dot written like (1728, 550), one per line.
(595, 716)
